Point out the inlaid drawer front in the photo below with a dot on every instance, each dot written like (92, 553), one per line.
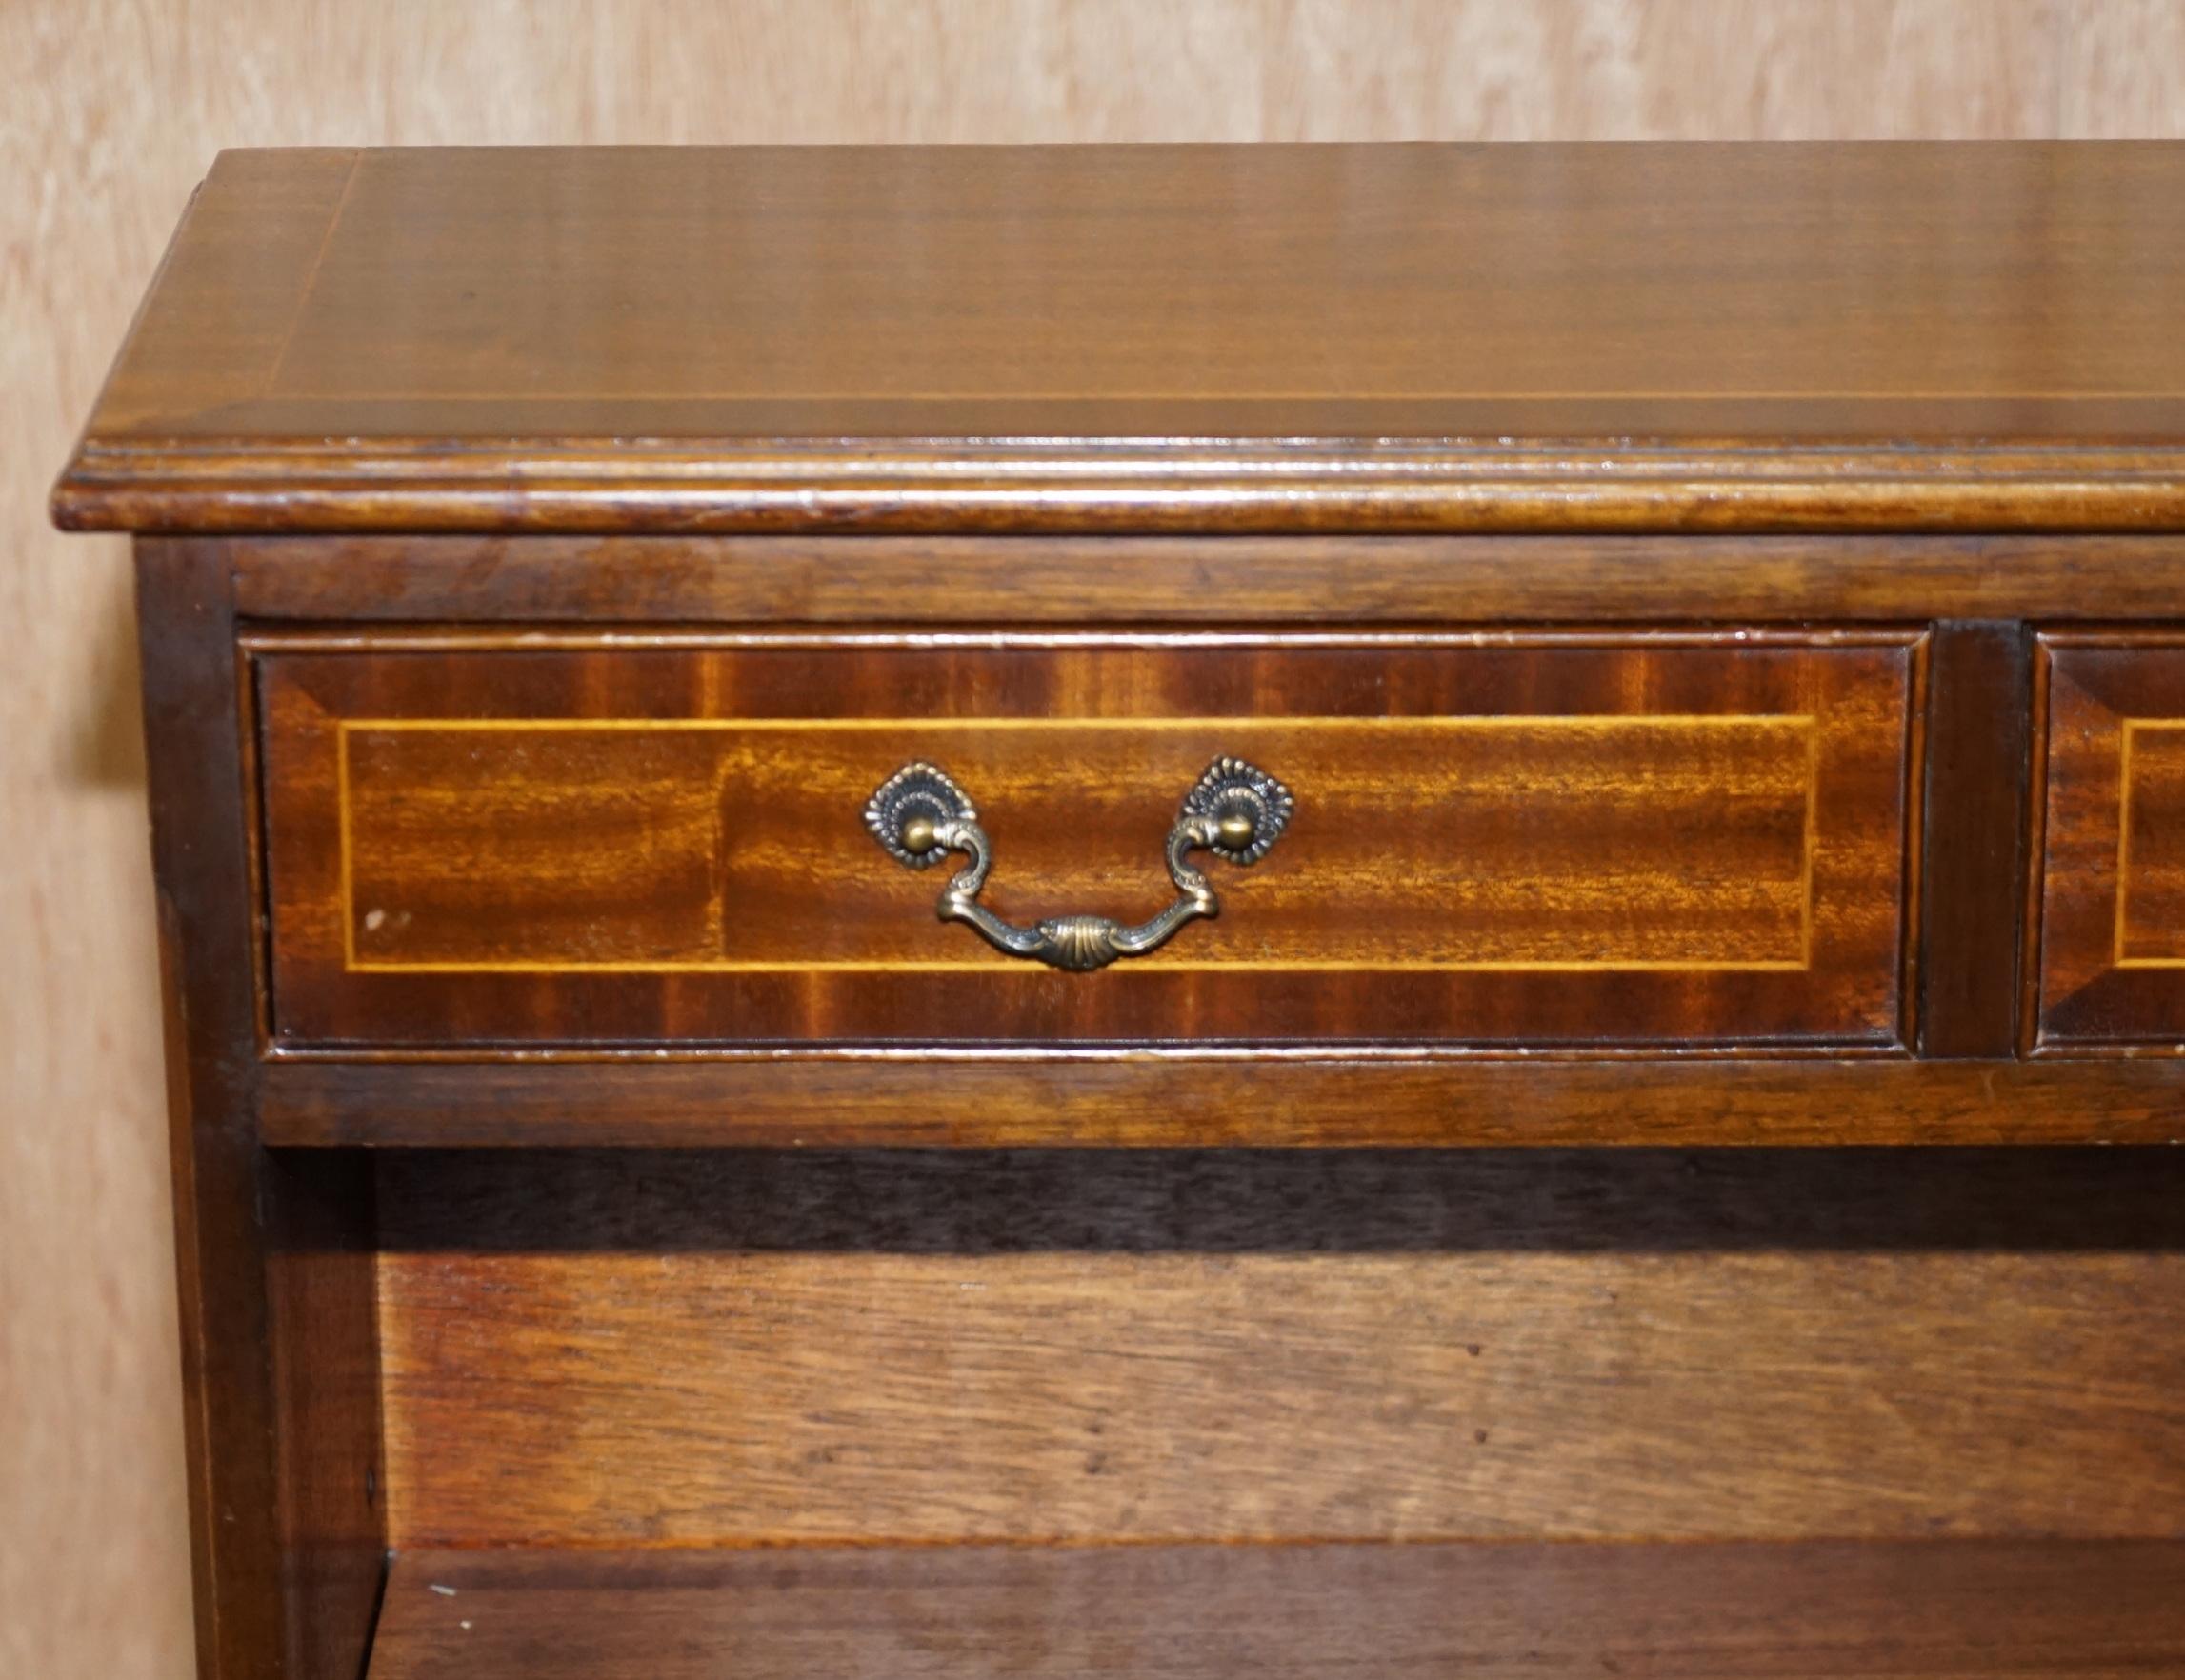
(2112, 844)
(1460, 840)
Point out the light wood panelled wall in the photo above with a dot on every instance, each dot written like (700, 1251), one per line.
(113, 109)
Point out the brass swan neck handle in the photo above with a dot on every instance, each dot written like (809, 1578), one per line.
(1235, 810)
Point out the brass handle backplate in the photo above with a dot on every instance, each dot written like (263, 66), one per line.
(1236, 812)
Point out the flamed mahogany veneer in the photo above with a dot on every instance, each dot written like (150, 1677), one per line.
(1632, 840)
(784, 780)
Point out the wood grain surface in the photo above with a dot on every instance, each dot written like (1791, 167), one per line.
(1339, 338)
(1262, 580)
(1301, 291)
(1977, 748)
(696, 1348)
(115, 109)
(2110, 894)
(1695, 838)
(280, 1351)
(661, 1096)
(1817, 1612)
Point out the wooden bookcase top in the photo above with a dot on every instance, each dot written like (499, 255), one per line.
(1304, 337)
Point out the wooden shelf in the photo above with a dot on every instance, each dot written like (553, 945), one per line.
(1758, 1611)
(1154, 1100)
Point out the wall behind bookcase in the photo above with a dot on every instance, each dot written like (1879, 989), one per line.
(112, 110)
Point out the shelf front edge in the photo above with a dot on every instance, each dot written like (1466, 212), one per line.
(1350, 486)
(1177, 1102)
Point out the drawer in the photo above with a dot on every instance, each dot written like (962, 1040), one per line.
(2111, 843)
(1487, 840)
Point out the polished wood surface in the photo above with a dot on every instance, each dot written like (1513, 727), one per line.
(1688, 839)
(613, 1348)
(1160, 1097)
(1207, 580)
(946, 338)
(1937, 1611)
(1973, 806)
(2110, 891)
(530, 880)
(280, 1334)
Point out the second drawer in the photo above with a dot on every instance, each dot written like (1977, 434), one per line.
(1499, 841)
